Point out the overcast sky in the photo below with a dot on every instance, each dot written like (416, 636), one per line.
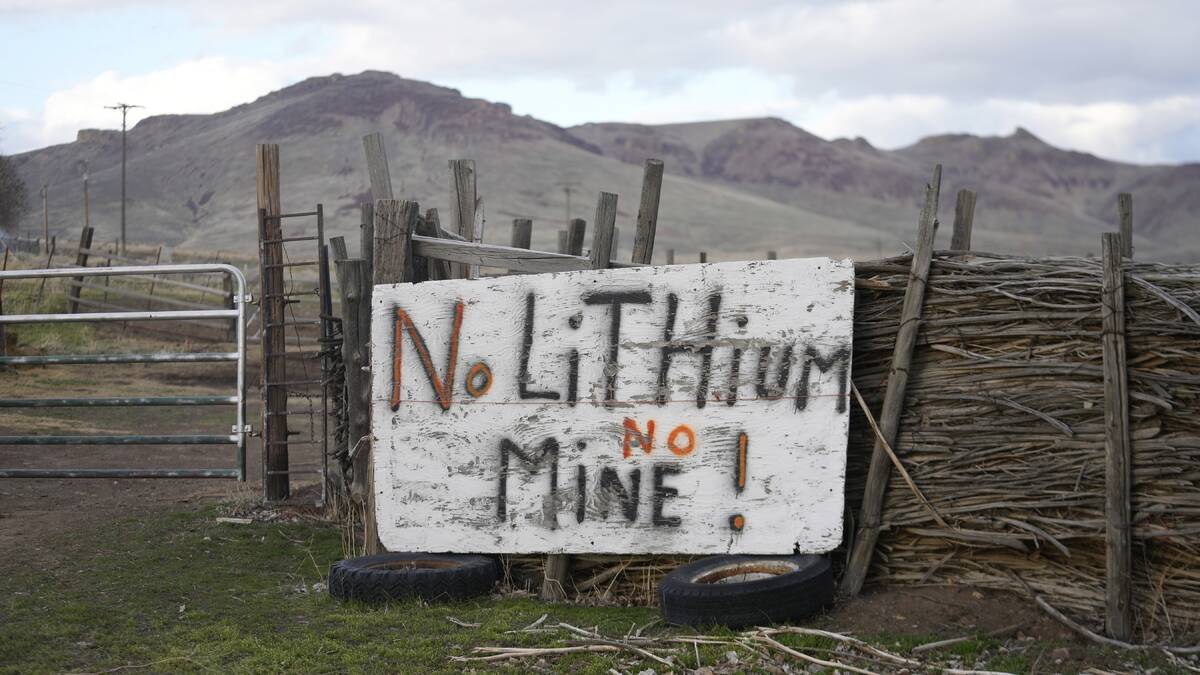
(1117, 78)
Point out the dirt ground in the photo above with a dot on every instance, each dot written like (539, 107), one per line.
(34, 512)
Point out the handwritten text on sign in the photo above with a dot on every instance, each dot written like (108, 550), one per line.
(682, 409)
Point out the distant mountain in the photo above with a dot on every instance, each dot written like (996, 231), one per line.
(734, 188)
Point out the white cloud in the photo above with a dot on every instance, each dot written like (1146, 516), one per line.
(200, 86)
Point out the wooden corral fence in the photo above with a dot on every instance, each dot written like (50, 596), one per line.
(1020, 423)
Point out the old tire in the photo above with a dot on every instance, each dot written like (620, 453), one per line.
(744, 590)
(399, 576)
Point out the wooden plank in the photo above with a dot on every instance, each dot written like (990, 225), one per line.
(602, 237)
(893, 400)
(274, 344)
(1118, 454)
(377, 167)
(576, 233)
(81, 259)
(462, 207)
(431, 226)
(964, 218)
(522, 233)
(551, 366)
(647, 219)
(1125, 221)
(492, 255)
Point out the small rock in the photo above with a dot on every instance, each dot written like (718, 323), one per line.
(648, 671)
(1060, 654)
(703, 670)
(319, 587)
(732, 657)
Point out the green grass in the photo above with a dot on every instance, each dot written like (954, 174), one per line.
(182, 593)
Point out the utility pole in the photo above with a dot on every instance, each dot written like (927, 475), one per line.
(124, 108)
(87, 210)
(45, 217)
(566, 185)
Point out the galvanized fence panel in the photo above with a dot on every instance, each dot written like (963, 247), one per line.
(239, 430)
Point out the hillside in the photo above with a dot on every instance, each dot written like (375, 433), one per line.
(734, 188)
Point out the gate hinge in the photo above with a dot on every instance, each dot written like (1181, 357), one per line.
(245, 429)
(247, 299)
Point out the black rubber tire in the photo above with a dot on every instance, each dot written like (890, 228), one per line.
(399, 576)
(797, 586)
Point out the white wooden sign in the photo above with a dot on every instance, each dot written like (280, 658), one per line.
(681, 409)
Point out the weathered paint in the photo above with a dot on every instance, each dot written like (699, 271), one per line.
(680, 409)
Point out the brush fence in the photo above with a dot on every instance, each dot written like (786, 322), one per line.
(1003, 431)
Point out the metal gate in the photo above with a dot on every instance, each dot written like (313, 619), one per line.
(296, 329)
(238, 430)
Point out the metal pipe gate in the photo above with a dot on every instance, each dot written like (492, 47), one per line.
(239, 430)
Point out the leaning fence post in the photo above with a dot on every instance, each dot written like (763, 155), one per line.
(647, 218)
(81, 259)
(964, 218)
(1125, 220)
(1118, 590)
(893, 400)
(377, 166)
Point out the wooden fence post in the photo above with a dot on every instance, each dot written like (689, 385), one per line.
(1125, 219)
(558, 565)
(703, 256)
(522, 233)
(647, 218)
(1118, 590)
(462, 209)
(354, 287)
(366, 236)
(772, 255)
(670, 256)
(893, 400)
(395, 222)
(81, 260)
(564, 241)
(377, 167)
(964, 218)
(274, 428)
(576, 231)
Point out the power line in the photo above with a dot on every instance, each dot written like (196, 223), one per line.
(124, 108)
